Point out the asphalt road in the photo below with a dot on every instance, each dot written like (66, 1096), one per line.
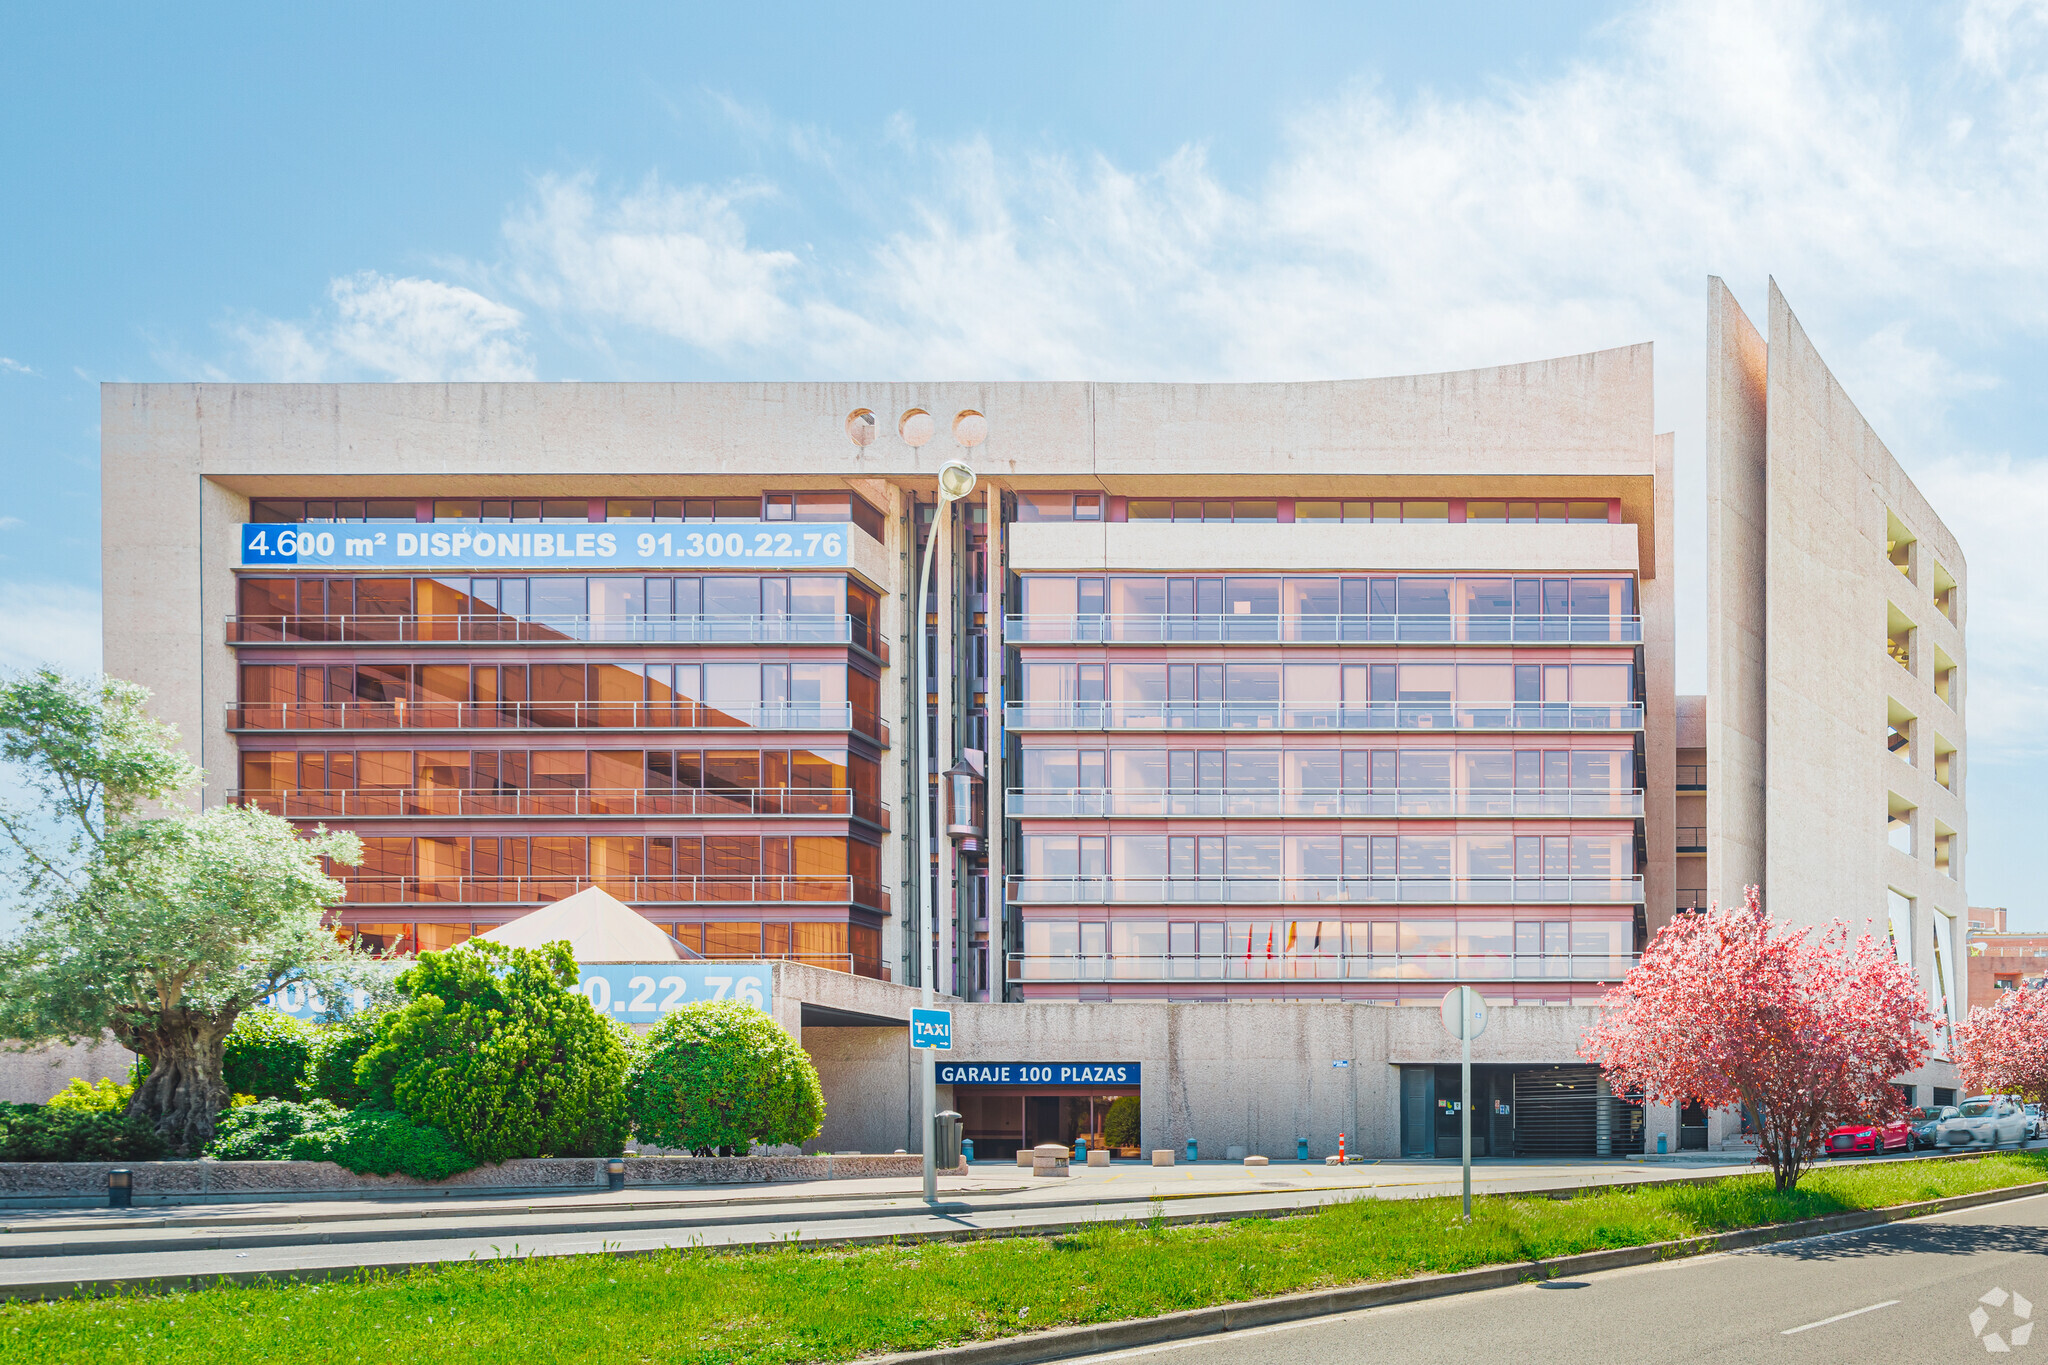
(1904, 1292)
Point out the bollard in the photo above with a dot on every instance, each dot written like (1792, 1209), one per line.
(1191, 1151)
(966, 1149)
(615, 1173)
(1301, 1149)
(1340, 1149)
(120, 1188)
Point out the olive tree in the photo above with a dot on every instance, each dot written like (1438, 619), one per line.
(140, 917)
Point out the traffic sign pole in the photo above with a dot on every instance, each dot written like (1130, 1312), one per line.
(1465, 1114)
(1464, 1015)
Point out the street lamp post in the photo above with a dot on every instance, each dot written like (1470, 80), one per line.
(956, 481)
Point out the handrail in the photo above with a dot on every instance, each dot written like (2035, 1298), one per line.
(551, 715)
(802, 628)
(1256, 966)
(1269, 628)
(1104, 802)
(473, 890)
(1377, 715)
(372, 803)
(1028, 890)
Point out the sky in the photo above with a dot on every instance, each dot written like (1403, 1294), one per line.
(1146, 191)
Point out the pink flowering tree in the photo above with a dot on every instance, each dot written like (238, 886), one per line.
(1805, 1030)
(2002, 1049)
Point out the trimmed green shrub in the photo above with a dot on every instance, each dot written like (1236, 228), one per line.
(104, 1096)
(264, 1131)
(265, 1055)
(367, 1141)
(497, 1049)
(383, 1142)
(719, 1076)
(1120, 1124)
(37, 1132)
(331, 1068)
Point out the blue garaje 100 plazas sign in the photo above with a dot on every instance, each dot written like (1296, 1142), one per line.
(1038, 1073)
(624, 545)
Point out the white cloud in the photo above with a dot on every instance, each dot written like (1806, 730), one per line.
(409, 330)
(49, 623)
(11, 523)
(675, 262)
(13, 366)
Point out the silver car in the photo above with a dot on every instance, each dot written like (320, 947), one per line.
(1985, 1121)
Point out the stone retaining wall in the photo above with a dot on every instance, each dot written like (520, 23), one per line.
(200, 1181)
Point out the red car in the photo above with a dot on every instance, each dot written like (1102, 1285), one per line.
(1860, 1139)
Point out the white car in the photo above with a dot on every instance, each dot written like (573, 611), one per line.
(1985, 1121)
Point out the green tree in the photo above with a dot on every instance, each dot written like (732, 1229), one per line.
(159, 928)
(719, 1076)
(498, 1050)
(1120, 1124)
(265, 1055)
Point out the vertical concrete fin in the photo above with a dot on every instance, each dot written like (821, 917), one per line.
(1737, 363)
(1660, 685)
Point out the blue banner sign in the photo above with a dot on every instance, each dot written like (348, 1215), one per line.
(932, 1029)
(638, 545)
(1038, 1073)
(635, 992)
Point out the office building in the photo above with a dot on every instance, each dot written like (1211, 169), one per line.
(1285, 706)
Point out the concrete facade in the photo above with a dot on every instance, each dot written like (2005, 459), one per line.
(1835, 745)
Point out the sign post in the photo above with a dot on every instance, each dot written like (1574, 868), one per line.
(1464, 1011)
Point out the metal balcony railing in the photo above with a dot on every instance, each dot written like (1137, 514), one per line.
(1027, 890)
(374, 803)
(551, 715)
(1266, 628)
(1692, 898)
(800, 629)
(1692, 777)
(460, 890)
(1256, 966)
(1097, 802)
(1231, 715)
(1692, 838)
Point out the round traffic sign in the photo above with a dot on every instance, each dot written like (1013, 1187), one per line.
(1464, 1011)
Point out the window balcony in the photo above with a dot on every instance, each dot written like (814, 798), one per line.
(373, 890)
(379, 803)
(1267, 629)
(1692, 838)
(1096, 803)
(541, 630)
(1325, 890)
(286, 716)
(1226, 715)
(1257, 966)
(1692, 777)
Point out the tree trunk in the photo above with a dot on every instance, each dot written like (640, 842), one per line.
(183, 1092)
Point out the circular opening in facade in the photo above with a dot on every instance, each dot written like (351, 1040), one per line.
(860, 427)
(916, 427)
(970, 428)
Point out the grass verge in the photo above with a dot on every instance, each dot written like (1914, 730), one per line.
(787, 1304)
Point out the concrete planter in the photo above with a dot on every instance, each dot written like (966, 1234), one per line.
(66, 1182)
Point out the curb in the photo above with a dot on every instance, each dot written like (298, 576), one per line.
(1062, 1343)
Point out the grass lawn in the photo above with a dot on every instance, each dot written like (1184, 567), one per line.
(796, 1304)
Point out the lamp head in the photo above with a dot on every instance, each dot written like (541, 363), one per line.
(956, 480)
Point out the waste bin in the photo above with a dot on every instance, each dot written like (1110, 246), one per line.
(947, 1128)
(967, 1150)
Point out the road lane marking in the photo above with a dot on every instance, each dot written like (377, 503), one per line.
(1852, 1313)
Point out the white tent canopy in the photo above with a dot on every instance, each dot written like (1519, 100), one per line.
(598, 926)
